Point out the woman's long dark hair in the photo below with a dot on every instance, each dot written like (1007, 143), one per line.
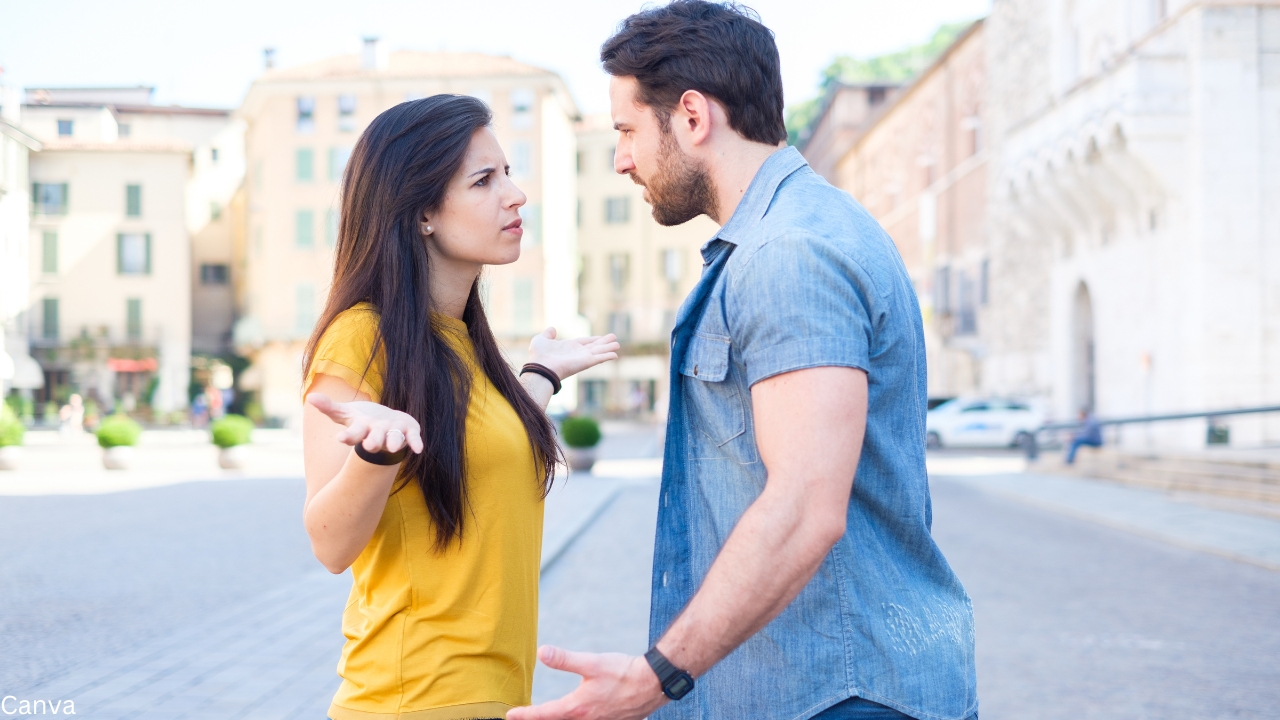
(399, 171)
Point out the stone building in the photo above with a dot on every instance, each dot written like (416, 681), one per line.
(119, 191)
(1134, 231)
(919, 167)
(633, 275)
(302, 123)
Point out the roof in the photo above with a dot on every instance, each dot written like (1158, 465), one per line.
(407, 64)
(137, 109)
(120, 146)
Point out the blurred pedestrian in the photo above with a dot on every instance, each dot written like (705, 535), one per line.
(794, 575)
(200, 411)
(1089, 434)
(427, 458)
(71, 416)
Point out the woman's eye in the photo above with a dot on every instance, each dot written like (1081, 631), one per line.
(482, 181)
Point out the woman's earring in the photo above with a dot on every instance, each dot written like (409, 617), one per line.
(428, 229)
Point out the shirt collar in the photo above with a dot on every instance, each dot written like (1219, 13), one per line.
(759, 196)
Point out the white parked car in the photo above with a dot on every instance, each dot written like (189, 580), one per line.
(981, 422)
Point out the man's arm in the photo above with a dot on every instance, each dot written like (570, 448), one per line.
(809, 428)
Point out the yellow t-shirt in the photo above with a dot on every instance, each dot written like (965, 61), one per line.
(450, 635)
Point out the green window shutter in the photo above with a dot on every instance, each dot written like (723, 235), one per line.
(304, 167)
(331, 228)
(119, 253)
(66, 200)
(35, 198)
(133, 200)
(305, 227)
(146, 268)
(49, 319)
(50, 254)
(133, 318)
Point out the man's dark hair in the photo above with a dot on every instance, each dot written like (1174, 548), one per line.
(719, 49)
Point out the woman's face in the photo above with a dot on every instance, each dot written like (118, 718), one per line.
(479, 220)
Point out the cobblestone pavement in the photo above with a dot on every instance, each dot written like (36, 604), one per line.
(202, 601)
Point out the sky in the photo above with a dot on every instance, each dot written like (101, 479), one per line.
(207, 53)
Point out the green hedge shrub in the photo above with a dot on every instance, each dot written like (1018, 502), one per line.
(119, 429)
(580, 432)
(11, 427)
(231, 430)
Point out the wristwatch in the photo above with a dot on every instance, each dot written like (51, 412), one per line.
(675, 682)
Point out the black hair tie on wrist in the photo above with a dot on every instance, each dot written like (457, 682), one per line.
(381, 457)
(545, 372)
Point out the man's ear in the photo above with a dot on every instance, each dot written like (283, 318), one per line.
(693, 114)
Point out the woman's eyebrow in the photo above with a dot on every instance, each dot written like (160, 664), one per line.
(484, 171)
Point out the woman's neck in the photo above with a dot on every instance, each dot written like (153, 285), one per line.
(451, 283)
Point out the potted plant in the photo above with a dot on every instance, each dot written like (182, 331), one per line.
(117, 434)
(11, 432)
(231, 433)
(581, 434)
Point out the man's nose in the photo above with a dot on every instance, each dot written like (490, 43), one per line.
(622, 163)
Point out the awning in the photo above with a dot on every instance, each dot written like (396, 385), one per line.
(20, 371)
(126, 365)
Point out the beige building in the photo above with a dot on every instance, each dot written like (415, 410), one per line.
(920, 169)
(18, 371)
(120, 189)
(634, 273)
(302, 123)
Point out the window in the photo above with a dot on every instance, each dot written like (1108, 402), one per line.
(304, 226)
(331, 228)
(346, 113)
(580, 155)
(609, 156)
(124, 130)
(521, 159)
(64, 128)
(522, 108)
(213, 155)
(672, 265)
(215, 210)
(49, 198)
(49, 259)
(967, 312)
(619, 269)
(984, 283)
(306, 115)
(133, 254)
(133, 318)
(620, 325)
(532, 216)
(49, 319)
(304, 165)
(338, 157)
(133, 201)
(617, 210)
(305, 308)
(875, 95)
(522, 305)
(214, 274)
(942, 291)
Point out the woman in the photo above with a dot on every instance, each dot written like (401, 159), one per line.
(427, 458)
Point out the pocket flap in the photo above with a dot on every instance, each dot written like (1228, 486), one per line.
(707, 358)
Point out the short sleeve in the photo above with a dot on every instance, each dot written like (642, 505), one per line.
(799, 302)
(344, 350)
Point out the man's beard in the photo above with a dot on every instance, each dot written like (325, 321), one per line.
(680, 189)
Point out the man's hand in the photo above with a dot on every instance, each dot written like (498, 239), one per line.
(614, 687)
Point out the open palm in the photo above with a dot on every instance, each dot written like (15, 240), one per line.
(570, 357)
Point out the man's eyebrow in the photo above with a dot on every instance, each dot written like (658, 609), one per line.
(619, 126)
(483, 171)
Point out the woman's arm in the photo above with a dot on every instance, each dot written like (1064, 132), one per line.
(345, 494)
(565, 358)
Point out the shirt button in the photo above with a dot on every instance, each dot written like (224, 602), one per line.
(695, 369)
(664, 579)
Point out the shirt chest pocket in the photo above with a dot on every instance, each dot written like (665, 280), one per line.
(716, 410)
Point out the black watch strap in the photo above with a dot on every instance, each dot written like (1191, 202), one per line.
(382, 457)
(676, 683)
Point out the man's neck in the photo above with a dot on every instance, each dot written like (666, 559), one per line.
(732, 169)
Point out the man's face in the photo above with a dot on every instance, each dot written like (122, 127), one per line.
(678, 187)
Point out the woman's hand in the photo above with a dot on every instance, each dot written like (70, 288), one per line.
(570, 357)
(375, 426)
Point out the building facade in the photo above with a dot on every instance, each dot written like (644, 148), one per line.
(919, 167)
(633, 275)
(18, 371)
(302, 124)
(118, 192)
(1135, 237)
(848, 110)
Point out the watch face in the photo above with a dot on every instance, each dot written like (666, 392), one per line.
(679, 686)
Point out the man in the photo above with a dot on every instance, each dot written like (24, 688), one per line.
(794, 574)
(1089, 434)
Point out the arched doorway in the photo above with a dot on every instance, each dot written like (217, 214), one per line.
(1083, 375)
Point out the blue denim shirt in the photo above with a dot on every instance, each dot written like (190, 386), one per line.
(802, 276)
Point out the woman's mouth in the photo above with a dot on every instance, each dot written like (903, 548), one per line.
(514, 227)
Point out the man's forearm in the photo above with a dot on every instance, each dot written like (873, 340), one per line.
(769, 557)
